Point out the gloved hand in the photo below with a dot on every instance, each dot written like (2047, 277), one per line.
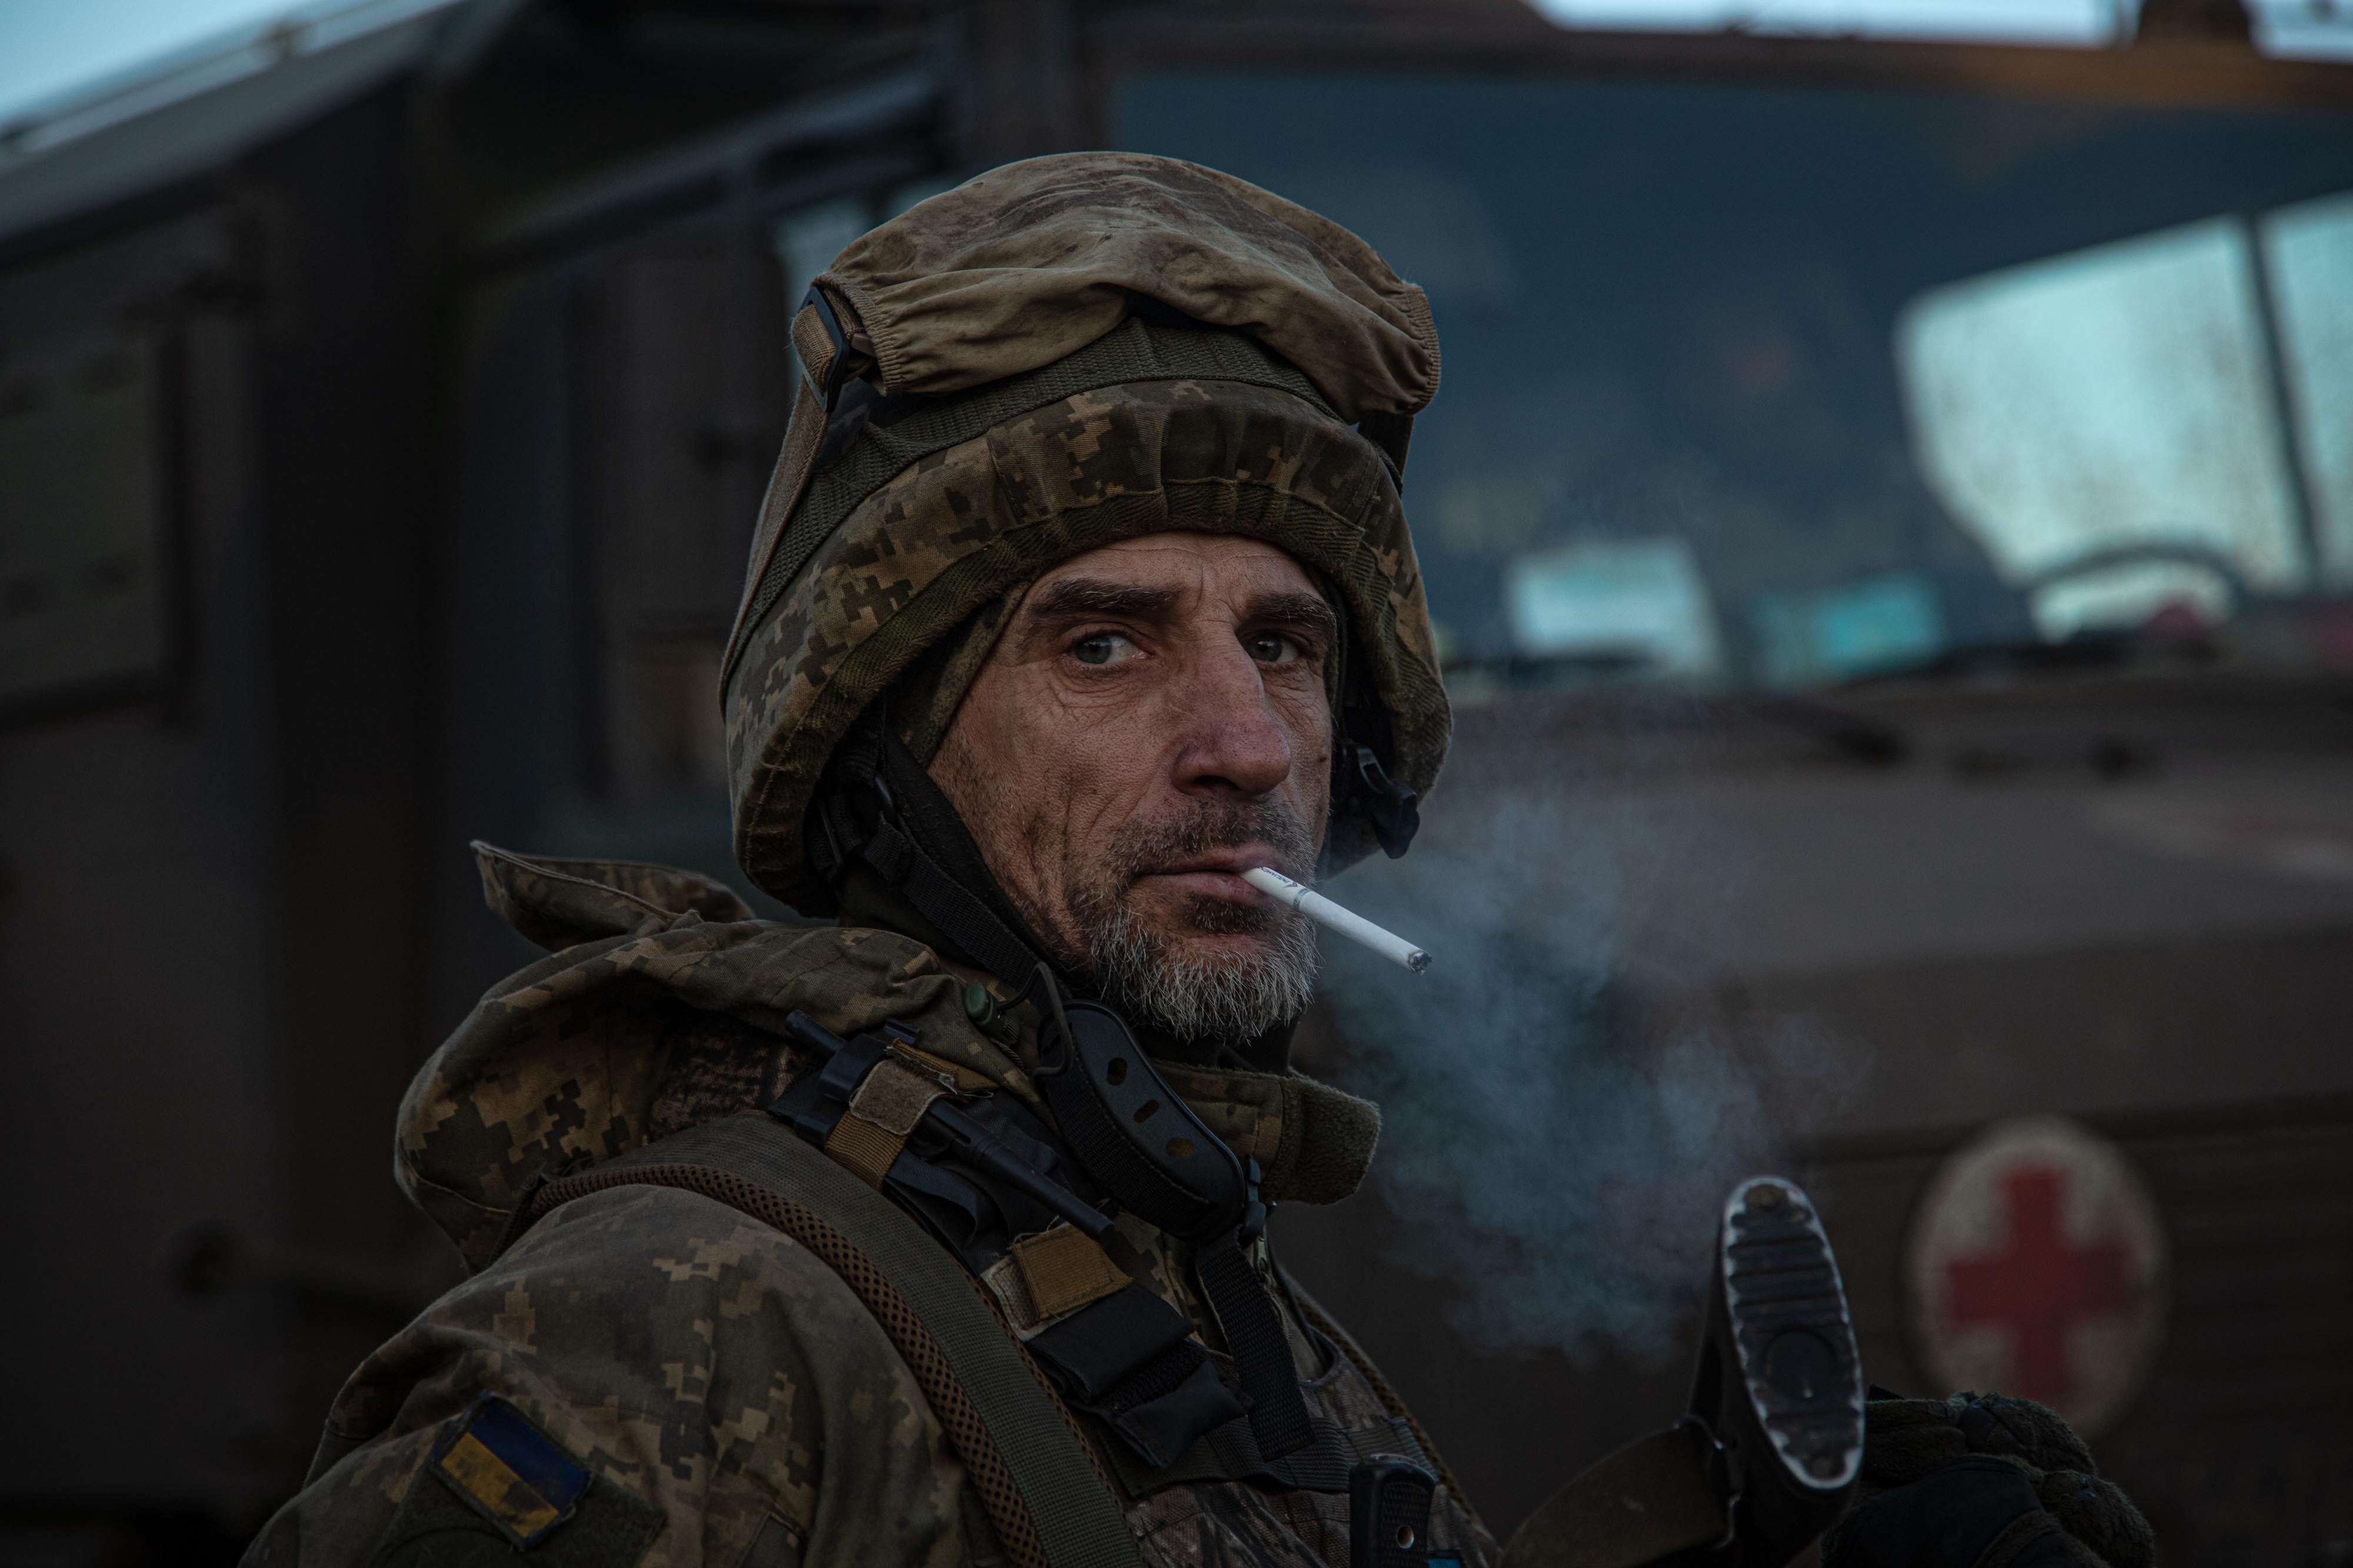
(1983, 1483)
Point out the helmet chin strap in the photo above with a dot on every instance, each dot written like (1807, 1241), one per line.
(883, 811)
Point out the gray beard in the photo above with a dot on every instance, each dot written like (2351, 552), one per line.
(1145, 977)
(1143, 973)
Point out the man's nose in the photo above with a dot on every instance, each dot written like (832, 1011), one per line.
(1234, 741)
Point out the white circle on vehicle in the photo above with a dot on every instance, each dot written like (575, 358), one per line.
(2036, 1266)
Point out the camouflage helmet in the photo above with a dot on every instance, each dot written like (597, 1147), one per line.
(1057, 356)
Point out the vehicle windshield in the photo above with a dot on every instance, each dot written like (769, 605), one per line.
(1784, 386)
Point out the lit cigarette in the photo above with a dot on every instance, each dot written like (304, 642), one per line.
(1325, 912)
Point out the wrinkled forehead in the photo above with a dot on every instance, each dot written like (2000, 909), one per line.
(1198, 572)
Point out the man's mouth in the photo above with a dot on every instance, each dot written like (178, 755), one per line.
(1217, 873)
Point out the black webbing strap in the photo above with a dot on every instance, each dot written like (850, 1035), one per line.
(916, 844)
(1131, 1359)
(1261, 1352)
(962, 917)
(1164, 1374)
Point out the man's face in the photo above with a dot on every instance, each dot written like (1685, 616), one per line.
(1153, 723)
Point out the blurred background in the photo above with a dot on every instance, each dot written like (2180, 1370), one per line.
(1889, 514)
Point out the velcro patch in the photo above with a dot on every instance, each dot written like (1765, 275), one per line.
(1065, 1269)
(509, 1472)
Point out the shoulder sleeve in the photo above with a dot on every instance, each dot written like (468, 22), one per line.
(708, 1365)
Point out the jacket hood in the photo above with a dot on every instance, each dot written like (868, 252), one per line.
(562, 1064)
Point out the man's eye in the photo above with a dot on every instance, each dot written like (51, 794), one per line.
(1272, 647)
(1103, 648)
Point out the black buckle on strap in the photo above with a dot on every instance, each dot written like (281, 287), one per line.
(837, 370)
(1261, 1351)
(1130, 1359)
(1395, 810)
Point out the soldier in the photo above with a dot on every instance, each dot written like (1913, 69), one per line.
(936, 1236)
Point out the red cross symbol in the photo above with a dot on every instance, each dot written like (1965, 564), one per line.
(2041, 1285)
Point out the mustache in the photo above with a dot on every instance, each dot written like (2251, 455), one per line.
(1141, 849)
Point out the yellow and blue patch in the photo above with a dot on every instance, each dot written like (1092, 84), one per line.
(509, 1472)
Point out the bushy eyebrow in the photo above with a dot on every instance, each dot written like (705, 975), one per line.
(1074, 598)
(1306, 611)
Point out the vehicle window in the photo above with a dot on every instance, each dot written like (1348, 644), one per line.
(2308, 251)
(1782, 387)
(2107, 425)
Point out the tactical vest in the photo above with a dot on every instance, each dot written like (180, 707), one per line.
(1097, 1431)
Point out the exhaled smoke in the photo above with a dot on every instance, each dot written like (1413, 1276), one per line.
(1551, 1142)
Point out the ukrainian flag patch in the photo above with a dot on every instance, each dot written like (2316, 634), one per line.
(509, 1472)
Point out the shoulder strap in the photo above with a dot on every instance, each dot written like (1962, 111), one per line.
(1036, 1475)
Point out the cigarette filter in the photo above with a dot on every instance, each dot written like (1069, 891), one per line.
(1326, 913)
